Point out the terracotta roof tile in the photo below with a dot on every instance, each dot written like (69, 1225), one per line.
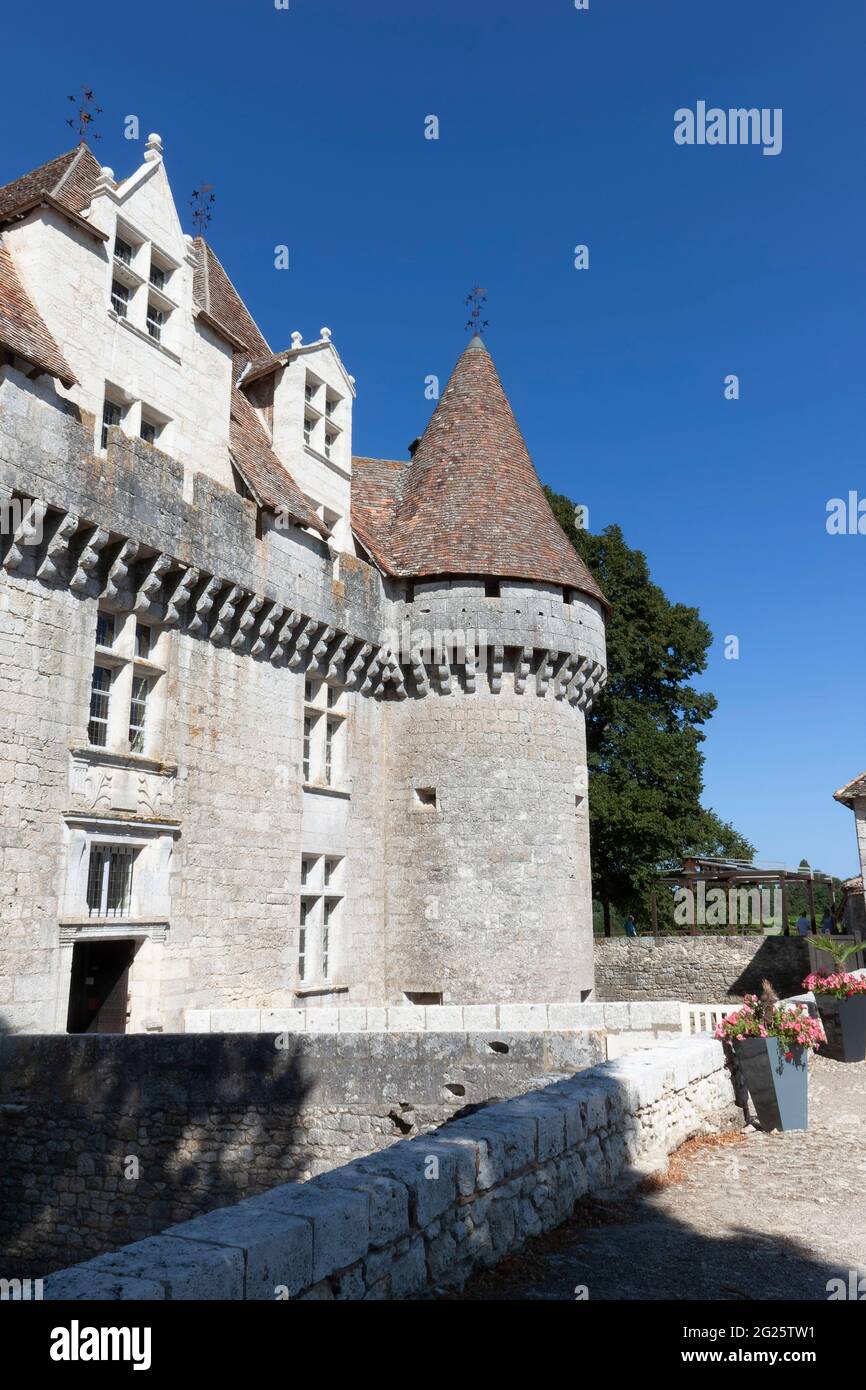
(470, 501)
(852, 790)
(376, 489)
(69, 179)
(215, 293)
(261, 469)
(22, 327)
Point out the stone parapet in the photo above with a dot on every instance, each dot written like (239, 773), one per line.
(429, 1212)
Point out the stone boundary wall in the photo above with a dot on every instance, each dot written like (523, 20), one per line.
(652, 1016)
(109, 1138)
(431, 1211)
(698, 969)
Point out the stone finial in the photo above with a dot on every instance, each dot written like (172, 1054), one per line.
(351, 380)
(325, 334)
(153, 148)
(105, 180)
(297, 339)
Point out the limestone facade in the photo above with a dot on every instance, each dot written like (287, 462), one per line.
(273, 771)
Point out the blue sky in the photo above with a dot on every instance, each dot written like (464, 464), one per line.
(556, 128)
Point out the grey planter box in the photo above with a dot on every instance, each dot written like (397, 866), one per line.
(779, 1089)
(844, 1023)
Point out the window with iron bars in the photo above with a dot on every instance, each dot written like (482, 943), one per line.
(100, 696)
(109, 880)
(119, 299)
(137, 713)
(155, 322)
(110, 416)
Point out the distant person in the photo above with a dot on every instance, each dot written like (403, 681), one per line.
(804, 926)
(827, 924)
(630, 925)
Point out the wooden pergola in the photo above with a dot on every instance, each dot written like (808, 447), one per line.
(737, 873)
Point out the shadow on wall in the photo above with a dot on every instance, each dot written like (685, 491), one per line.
(101, 1145)
(783, 960)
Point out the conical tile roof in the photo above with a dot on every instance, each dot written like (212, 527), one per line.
(471, 502)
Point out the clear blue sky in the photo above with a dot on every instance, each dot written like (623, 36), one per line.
(556, 128)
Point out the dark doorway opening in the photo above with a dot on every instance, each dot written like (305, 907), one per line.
(99, 986)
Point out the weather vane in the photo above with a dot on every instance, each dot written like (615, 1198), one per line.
(201, 202)
(87, 113)
(475, 302)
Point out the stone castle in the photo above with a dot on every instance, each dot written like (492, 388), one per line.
(282, 727)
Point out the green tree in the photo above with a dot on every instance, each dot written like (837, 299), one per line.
(644, 731)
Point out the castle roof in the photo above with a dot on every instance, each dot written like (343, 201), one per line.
(469, 502)
(216, 295)
(66, 183)
(23, 329)
(852, 790)
(270, 482)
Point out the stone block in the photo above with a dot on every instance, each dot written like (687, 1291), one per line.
(523, 1018)
(566, 1016)
(235, 1021)
(409, 1270)
(549, 1120)
(284, 1020)
(82, 1283)
(445, 1018)
(183, 1269)
(616, 1017)
(277, 1249)
(340, 1220)
(466, 1153)
(323, 1020)
(196, 1021)
(480, 1017)
(389, 1201)
(432, 1187)
(352, 1019)
(590, 1017)
(406, 1018)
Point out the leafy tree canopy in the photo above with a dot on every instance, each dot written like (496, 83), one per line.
(644, 733)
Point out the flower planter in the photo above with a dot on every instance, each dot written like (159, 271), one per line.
(779, 1089)
(844, 1023)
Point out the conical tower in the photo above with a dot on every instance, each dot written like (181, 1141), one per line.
(502, 631)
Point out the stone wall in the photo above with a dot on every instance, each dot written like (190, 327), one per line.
(482, 896)
(430, 1212)
(104, 1139)
(698, 969)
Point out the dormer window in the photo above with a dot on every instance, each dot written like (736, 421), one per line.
(308, 392)
(157, 277)
(308, 429)
(330, 441)
(119, 299)
(123, 250)
(331, 403)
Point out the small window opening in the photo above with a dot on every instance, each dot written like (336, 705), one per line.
(491, 588)
(426, 796)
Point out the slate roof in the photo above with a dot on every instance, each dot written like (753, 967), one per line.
(470, 501)
(22, 328)
(261, 470)
(849, 793)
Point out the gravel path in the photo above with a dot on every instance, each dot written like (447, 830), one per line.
(755, 1216)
